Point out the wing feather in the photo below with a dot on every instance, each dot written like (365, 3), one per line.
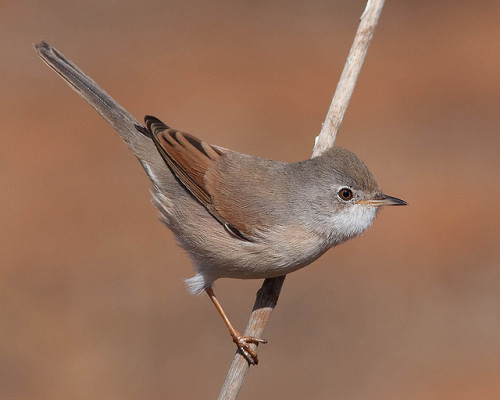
(190, 159)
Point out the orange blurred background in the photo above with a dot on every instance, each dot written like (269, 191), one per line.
(92, 300)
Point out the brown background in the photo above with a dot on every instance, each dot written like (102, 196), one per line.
(92, 302)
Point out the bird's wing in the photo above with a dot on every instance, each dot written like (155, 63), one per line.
(191, 159)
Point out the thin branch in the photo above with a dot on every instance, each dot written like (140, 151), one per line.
(349, 76)
(267, 296)
(266, 300)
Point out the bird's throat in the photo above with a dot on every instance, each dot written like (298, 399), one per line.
(352, 221)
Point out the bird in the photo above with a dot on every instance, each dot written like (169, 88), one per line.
(245, 217)
(238, 215)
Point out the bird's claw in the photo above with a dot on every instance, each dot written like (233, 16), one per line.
(243, 343)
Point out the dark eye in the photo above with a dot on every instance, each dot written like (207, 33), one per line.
(345, 194)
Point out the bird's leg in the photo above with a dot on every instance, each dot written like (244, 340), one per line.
(242, 342)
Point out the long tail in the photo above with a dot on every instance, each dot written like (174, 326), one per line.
(120, 119)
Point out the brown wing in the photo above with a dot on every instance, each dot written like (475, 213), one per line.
(189, 159)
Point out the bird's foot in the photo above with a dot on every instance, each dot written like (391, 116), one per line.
(244, 342)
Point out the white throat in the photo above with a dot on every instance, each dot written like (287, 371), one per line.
(353, 220)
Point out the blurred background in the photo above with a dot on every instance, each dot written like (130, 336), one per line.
(92, 300)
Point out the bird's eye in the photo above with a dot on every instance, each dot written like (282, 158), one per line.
(345, 194)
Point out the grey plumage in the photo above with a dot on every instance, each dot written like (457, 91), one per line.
(239, 216)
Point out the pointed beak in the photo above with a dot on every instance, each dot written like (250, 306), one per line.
(381, 199)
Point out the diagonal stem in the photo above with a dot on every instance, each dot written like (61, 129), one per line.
(349, 76)
(266, 300)
(267, 296)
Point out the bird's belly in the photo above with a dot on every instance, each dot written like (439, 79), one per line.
(282, 252)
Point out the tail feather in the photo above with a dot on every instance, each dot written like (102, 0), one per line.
(197, 284)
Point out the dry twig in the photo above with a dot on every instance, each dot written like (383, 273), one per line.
(270, 290)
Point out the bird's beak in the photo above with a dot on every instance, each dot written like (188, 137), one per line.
(381, 199)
